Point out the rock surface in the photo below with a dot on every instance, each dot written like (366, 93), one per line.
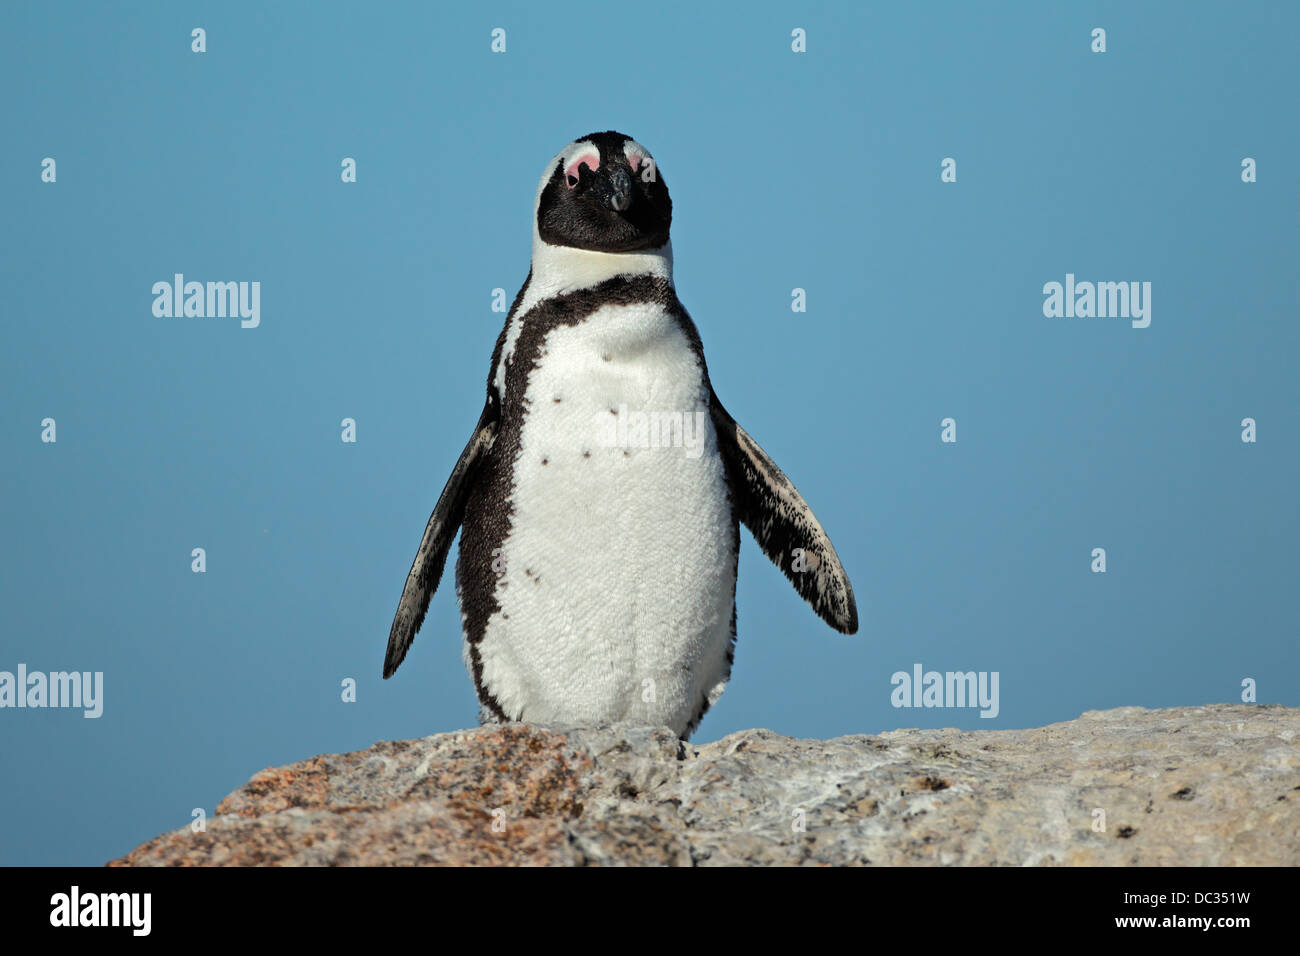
(1216, 785)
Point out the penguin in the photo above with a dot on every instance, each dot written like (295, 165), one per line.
(600, 495)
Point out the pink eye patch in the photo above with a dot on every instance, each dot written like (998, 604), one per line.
(641, 164)
(590, 160)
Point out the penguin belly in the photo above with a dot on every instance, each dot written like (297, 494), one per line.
(614, 585)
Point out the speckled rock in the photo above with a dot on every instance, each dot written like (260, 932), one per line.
(1216, 785)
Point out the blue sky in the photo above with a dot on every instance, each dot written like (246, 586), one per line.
(816, 170)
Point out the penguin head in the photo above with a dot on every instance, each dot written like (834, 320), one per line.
(604, 193)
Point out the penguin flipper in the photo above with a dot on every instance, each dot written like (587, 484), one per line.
(769, 505)
(426, 569)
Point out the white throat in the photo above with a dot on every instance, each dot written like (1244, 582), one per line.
(560, 269)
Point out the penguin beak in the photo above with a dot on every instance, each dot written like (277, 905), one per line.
(612, 190)
(620, 190)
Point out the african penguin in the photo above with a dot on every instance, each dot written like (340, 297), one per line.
(602, 490)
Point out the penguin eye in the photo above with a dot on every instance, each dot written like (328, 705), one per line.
(590, 160)
(641, 162)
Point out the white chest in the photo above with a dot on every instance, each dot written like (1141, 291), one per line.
(619, 570)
